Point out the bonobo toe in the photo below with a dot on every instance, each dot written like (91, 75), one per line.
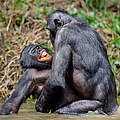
(39, 108)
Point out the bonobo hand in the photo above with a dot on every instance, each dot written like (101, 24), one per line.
(42, 102)
(8, 108)
(39, 106)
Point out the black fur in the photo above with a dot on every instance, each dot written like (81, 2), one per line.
(78, 48)
(29, 60)
(35, 74)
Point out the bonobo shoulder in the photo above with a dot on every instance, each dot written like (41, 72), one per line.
(75, 25)
(69, 30)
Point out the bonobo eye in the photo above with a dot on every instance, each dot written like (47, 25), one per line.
(39, 50)
(37, 47)
(57, 22)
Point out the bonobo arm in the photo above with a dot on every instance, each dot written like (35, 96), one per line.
(24, 88)
(60, 65)
(56, 82)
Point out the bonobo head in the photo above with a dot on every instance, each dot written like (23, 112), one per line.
(35, 56)
(57, 19)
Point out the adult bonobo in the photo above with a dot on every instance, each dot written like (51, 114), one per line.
(36, 64)
(81, 55)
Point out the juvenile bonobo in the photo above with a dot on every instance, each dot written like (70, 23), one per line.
(36, 64)
(81, 56)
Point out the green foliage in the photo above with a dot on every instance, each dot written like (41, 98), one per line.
(47, 45)
(97, 20)
(8, 46)
(20, 5)
(30, 100)
(2, 16)
(101, 4)
(0, 62)
(37, 2)
(43, 11)
(23, 4)
(95, 3)
(116, 42)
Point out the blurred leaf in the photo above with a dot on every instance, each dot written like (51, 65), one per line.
(2, 16)
(37, 2)
(23, 19)
(117, 62)
(117, 42)
(0, 62)
(39, 9)
(30, 100)
(17, 18)
(25, 6)
(3, 29)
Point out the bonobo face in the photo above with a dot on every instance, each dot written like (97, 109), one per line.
(35, 56)
(41, 54)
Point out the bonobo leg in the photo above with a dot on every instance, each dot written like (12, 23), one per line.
(82, 106)
(24, 89)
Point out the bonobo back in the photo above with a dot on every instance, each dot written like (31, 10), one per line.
(78, 47)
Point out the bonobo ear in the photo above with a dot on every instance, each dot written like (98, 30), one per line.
(57, 22)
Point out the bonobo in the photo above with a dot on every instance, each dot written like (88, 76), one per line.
(36, 64)
(80, 61)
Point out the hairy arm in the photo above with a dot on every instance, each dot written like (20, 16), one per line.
(24, 89)
(56, 82)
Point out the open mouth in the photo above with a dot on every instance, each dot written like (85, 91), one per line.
(44, 56)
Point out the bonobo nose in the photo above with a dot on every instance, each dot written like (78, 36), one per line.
(48, 27)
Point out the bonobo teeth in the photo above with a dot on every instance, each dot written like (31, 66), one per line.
(44, 54)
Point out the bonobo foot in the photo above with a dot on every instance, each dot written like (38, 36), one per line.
(43, 103)
(79, 107)
(39, 107)
(8, 108)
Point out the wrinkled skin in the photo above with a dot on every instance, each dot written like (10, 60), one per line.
(81, 55)
(36, 72)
